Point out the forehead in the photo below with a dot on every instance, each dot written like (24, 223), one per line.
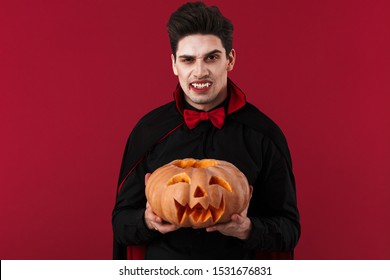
(199, 45)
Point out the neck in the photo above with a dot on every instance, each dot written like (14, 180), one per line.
(209, 105)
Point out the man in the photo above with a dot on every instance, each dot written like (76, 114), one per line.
(234, 131)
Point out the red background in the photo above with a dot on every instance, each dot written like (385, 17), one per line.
(75, 76)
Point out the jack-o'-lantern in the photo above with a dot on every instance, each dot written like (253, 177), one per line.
(197, 193)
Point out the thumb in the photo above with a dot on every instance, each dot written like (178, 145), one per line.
(237, 218)
(147, 175)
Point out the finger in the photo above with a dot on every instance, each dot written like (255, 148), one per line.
(211, 229)
(218, 227)
(238, 219)
(151, 215)
(245, 211)
(165, 228)
(156, 218)
(250, 191)
(147, 175)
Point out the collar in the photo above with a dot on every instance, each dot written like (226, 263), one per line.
(236, 98)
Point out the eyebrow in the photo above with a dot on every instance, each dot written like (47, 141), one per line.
(207, 54)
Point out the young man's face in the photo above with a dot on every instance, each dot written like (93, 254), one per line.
(201, 66)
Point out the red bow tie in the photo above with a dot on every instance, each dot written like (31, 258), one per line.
(192, 118)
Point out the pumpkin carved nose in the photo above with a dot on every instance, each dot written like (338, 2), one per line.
(199, 192)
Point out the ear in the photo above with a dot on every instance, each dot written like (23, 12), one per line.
(231, 60)
(174, 65)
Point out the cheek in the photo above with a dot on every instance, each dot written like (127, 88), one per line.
(222, 74)
(183, 79)
(183, 72)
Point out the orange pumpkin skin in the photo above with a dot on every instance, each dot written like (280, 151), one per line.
(197, 193)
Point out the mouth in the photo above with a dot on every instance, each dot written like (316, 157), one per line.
(198, 213)
(201, 85)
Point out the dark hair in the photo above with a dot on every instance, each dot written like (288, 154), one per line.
(197, 18)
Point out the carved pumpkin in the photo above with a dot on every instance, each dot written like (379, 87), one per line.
(197, 193)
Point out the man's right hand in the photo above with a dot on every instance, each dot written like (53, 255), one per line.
(154, 222)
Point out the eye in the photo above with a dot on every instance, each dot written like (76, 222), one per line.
(179, 178)
(212, 57)
(187, 60)
(214, 180)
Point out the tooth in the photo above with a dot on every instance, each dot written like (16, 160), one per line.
(217, 212)
(206, 215)
(197, 211)
(180, 211)
(199, 85)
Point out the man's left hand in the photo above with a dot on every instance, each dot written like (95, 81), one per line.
(240, 225)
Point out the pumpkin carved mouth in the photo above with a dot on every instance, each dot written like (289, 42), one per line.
(198, 213)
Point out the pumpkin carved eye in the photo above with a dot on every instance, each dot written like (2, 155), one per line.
(214, 180)
(179, 178)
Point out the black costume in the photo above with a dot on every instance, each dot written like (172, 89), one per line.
(249, 140)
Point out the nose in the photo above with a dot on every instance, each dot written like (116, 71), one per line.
(200, 70)
(199, 192)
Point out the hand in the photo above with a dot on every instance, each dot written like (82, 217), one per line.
(240, 225)
(154, 222)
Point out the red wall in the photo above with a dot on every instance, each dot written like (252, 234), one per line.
(76, 75)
